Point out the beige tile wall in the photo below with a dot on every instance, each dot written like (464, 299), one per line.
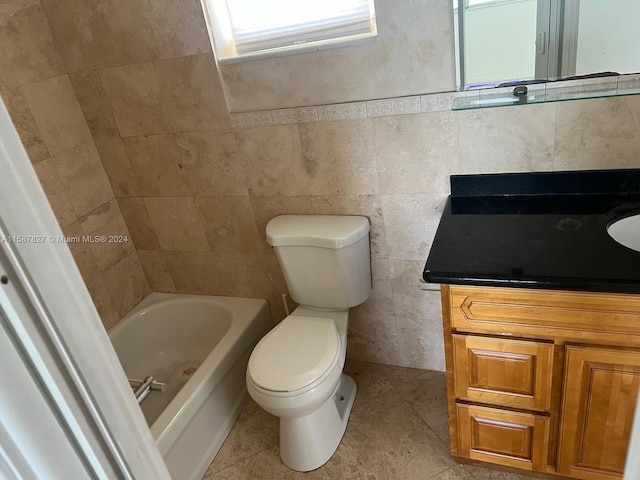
(196, 194)
(39, 94)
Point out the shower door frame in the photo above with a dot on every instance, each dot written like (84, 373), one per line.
(67, 388)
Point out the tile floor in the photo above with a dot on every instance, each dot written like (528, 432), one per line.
(398, 430)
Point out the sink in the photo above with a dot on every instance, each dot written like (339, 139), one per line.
(626, 231)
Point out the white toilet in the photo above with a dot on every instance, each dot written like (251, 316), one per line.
(295, 371)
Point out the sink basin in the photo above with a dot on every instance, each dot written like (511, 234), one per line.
(626, 231)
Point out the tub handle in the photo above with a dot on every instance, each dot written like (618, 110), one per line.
(142, 388)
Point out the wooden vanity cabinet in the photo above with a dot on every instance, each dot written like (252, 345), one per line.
(542, 381)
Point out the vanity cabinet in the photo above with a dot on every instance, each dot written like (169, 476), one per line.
(543, 381)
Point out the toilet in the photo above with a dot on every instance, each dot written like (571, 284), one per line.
(295, 371)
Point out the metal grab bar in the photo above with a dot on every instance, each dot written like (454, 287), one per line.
(142, 388)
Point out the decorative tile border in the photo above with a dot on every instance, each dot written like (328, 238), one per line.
(393, 106)
(294, 115)
(251, 119)
(439, 102)
(342, 111)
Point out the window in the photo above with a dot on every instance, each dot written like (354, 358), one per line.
(245, 29)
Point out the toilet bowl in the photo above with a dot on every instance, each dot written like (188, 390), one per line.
(304, 386)
(295, 371)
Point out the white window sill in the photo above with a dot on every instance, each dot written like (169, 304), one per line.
(296, 49)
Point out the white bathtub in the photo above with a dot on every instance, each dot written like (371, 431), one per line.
(199, 346)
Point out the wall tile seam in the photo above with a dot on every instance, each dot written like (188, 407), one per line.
(28, 84)
(57, 48)
(112, 267)
(64, 188)
(163, 100)
(51, 157)
(138, 20)
(86, 121)
(132, 227)
(97, 71)
(86, 115)
(71, 148)
(148, 290)
(186, 196)
(122, 65)
(90, 286)
(220, 131)
(142, 20)
(146, 275)
(62, 227)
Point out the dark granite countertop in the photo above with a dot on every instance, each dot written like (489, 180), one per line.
(537, 230)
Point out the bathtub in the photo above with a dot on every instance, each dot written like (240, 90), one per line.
(199, 346)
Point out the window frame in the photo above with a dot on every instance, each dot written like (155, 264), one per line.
(221, 36)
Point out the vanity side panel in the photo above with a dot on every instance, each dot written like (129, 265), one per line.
(448, 355)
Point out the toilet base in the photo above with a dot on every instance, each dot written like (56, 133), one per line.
(308, 442)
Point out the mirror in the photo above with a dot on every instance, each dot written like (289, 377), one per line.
(512, 41)
(414, 55)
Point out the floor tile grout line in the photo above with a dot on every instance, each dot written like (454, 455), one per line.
(325, 470)
(420, 417)
(442, 471)
(416, 413)
(242, 460)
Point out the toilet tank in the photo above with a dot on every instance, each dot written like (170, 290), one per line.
(324, 258)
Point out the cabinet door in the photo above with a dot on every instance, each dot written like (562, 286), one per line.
(600, 391)
(502, 371)
(514, 439)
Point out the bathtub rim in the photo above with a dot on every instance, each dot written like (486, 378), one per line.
(246, 312)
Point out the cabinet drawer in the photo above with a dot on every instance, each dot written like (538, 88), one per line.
(502, 371)
(497, 436)
(581, 316)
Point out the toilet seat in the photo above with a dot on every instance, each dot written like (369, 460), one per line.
(295, 354)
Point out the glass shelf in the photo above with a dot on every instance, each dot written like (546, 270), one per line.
(621, 85)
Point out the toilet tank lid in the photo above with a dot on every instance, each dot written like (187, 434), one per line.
(328, 231)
